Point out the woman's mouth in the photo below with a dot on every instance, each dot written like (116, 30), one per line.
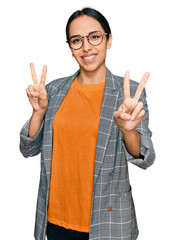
(89, 58)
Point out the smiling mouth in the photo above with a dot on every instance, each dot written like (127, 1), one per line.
(89, 59)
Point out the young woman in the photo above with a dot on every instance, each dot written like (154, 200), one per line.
(87, 127)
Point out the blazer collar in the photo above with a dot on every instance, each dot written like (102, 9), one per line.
(111, 81)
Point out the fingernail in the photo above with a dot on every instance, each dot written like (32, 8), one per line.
(132, 118)
(127, 117)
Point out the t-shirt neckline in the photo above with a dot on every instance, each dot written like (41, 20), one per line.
(88, 87)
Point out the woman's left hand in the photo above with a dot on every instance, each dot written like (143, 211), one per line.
(130, 112)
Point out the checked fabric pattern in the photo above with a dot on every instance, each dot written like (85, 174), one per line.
(113, 213)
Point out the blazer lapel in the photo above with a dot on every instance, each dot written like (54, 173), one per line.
(59, 91)
(109, 104)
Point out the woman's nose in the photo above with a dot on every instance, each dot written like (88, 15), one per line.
(86, 45)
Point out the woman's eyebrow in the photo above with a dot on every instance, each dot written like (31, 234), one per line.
(77, 35)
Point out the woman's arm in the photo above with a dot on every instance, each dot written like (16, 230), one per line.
(129, 115)
(132, 118)
(31, 133)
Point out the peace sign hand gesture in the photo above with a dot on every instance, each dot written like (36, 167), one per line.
(130, 112)
(36, 93)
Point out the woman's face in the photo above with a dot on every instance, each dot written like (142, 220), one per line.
(90, 58)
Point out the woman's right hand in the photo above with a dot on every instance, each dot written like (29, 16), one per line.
(36, 93)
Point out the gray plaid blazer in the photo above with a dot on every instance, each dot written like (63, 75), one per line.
(113, 213)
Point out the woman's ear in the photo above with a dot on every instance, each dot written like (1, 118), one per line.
(109, 41)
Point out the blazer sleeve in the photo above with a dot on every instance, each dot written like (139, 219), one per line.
(147, 153)
(30, 147)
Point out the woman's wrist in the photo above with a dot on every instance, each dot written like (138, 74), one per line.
(39, 114)
(35, 122)
(132, 142)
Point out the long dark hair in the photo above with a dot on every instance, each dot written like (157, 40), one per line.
(92, 13)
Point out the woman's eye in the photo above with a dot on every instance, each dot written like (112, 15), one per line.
(94, 37)
(76, 40)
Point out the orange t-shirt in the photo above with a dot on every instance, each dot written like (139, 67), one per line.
(75, 128)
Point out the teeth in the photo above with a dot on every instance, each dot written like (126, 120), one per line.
(88, 58)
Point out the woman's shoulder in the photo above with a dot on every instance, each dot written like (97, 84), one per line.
(58, 83)
(119, 83)
(119, 79)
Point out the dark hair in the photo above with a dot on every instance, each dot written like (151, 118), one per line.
(92, 13)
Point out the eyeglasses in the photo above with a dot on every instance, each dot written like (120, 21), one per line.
(94, 38)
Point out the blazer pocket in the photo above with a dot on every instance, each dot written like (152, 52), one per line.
(122, 213)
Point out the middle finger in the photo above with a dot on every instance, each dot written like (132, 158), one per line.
(141, 86)
(43, 76)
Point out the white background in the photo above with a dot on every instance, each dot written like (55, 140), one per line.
(143, 40)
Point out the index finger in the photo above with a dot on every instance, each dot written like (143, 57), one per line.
(43, 76)
(34, 77)
(126, 85)
(141, 86)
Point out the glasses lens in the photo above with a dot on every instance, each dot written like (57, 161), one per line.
(95, 38)
(75, 42)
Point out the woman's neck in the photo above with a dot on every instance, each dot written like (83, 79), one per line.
(92, 77)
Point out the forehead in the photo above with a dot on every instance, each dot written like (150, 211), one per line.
(83, 25)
